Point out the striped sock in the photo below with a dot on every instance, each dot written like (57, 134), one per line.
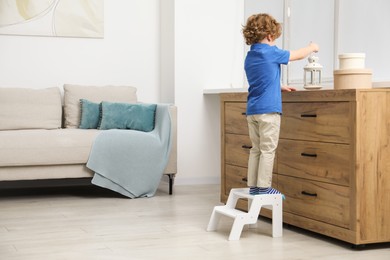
(253, 190)
(269, 190)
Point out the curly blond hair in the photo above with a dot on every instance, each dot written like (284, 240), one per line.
(259, 26)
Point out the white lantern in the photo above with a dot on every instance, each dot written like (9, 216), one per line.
(314, 69)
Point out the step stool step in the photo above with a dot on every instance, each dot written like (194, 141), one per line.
(233, 213)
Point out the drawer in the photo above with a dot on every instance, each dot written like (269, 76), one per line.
(323, 202)
(236, 177)
(317, 121)
(326, 162)
(237, 149)
(235, 118)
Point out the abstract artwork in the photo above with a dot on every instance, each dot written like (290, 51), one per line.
(59, 18)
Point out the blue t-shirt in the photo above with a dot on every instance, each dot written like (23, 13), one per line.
(262, 67)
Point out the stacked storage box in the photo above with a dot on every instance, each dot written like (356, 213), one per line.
(352, 73)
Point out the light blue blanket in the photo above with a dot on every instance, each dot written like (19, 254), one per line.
(132, 162)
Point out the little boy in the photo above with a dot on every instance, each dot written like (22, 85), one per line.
(264, 104)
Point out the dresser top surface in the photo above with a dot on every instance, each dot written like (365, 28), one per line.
(311, 95)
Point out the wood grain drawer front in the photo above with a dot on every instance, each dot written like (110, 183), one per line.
(235, 118)
(321, 121)
(235, 177)
(320, 201)
(237, 149)
(326, 162)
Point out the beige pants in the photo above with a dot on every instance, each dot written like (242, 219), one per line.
(264, 133)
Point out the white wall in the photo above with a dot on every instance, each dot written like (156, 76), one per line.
(208, 51)
(303, 15)
(128, 54)
(363, 27)
(167, 51)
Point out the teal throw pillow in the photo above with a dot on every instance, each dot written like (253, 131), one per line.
(90, 114)
(137, 116)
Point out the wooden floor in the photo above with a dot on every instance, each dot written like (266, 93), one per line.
(90, 223)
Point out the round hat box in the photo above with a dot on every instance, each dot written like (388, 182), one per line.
(351, 61)
(352, 79)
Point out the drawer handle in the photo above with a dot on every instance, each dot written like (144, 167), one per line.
(244, 179)
(243, 113)
(309, 194)
(309, 154)
(246, 146)
(308, 115)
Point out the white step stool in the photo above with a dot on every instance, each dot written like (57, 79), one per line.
(241, 218)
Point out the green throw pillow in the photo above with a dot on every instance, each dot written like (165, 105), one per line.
(138, 116)
(90, 114)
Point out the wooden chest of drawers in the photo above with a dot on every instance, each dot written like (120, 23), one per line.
(332, 160)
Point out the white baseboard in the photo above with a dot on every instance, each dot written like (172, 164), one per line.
(197, 181)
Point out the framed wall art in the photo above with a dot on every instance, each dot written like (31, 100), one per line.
(56, 18)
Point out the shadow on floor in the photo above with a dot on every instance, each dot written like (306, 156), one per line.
(81, 191)
(58, 187)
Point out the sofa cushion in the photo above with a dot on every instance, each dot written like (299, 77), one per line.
(139, 116)
(45, 147)
(73, 94)
(22, 108)
(90, 114)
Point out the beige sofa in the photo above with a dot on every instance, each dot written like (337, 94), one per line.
(40, 138)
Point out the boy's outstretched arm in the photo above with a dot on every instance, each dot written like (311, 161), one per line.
(303, 52)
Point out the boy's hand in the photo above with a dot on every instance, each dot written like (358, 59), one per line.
(304, 52)
(288, 89)
(314, 47)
